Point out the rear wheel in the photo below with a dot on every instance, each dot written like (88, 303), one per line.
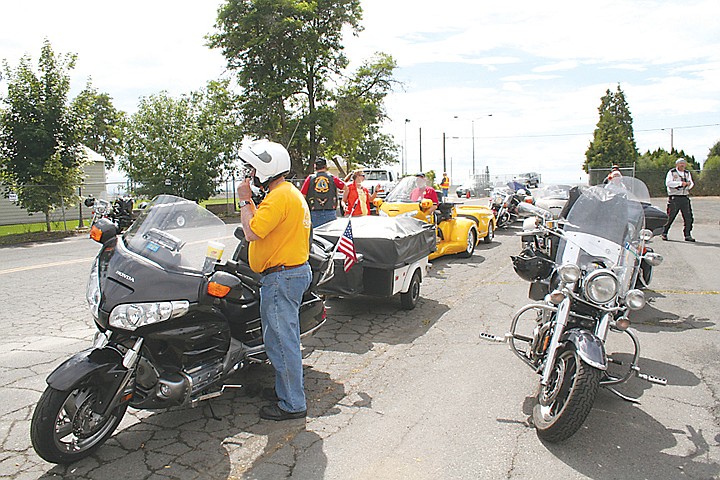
(409, 299)
(471, 241)
(564, 404)
(490, 234)
(65, 428)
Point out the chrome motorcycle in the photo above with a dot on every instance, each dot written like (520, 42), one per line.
(174, 324)
(584, 270)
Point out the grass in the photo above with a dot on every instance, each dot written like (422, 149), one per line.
(36, 232)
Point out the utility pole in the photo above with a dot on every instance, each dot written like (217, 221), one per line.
(444, 165)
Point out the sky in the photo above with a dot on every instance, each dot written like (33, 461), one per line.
(515, 86)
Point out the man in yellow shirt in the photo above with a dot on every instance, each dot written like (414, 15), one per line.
(279, 234)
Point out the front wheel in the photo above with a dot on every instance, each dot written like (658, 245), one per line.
(564, 404)
(470, 243)
(65, 427)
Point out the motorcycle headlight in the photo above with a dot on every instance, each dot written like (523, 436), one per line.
(635, 299)
(92, 292)
(569, 273)
(130, 316)
(600, 286)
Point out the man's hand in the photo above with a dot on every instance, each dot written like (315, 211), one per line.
(244, 191)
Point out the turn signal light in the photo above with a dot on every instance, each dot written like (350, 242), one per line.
(217, 290)
(556, 297)
(622, 323)
(95, 233)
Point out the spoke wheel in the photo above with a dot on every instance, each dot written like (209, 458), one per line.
(491, 233)
(65, 427)
(564, 404)
(470, 243)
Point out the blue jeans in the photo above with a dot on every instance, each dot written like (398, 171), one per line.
(445, 192)
(280, 298)
(321, 217)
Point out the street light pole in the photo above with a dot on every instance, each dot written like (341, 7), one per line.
(404, 162)
(420, 136)
(472, 132)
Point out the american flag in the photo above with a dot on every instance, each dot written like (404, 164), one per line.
(346, 246)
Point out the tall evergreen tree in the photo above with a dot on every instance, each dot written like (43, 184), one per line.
(613, 141)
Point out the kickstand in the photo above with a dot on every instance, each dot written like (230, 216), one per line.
(212, 412)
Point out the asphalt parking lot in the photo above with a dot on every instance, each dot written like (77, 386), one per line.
(392, 394)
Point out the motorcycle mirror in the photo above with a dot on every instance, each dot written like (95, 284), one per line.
(89, 201)
(646, 234)
(103, 230)
(653, 258)
(426, 203)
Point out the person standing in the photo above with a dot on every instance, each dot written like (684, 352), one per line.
(321, 191)
(357, 199)
(445, 185)
(279, 234)
(679, 182)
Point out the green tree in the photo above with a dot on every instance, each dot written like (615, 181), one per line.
(284, 53)
(102, 124)
(714, 150)
(613, 141)
(40, 140)
(182, 146)
(359, 111)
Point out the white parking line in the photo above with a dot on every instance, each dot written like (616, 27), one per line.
(46, 265)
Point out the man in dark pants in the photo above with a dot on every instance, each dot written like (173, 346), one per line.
(679, 182)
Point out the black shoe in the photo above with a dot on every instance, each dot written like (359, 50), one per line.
(663, 236)
(689, 239)
(269, 394)
(274, 412)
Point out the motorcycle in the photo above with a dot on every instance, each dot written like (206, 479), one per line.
(174, 324)
(504, 203)
(119, 212)
(584, 270)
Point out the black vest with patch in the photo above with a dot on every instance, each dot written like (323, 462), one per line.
(322, 193)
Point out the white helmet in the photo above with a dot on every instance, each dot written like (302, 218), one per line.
(269, 159)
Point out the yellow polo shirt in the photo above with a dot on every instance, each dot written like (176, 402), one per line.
(282, 221)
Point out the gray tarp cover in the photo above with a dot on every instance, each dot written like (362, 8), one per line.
(385, 242)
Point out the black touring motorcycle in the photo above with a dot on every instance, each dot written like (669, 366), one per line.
(586, 271)
(173, 323)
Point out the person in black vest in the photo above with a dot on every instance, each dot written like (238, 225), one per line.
(679, 182)
(321, 191)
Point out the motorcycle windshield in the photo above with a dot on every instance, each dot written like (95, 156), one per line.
(407, 191)
(603, 226)
(174, 233)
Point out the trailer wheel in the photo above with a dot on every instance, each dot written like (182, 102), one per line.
(409, 299)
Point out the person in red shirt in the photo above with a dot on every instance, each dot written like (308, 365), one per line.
(422, 191)
(357, 198)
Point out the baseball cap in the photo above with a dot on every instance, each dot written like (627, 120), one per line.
(680, 160)
(420, 174)
(320, 162)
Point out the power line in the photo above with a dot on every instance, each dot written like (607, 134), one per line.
(590, 133)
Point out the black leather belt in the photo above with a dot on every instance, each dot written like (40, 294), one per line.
(279, 268)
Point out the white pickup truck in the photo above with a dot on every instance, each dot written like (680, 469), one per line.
(380, 180)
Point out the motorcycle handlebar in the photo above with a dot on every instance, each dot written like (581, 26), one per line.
(535, 210)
